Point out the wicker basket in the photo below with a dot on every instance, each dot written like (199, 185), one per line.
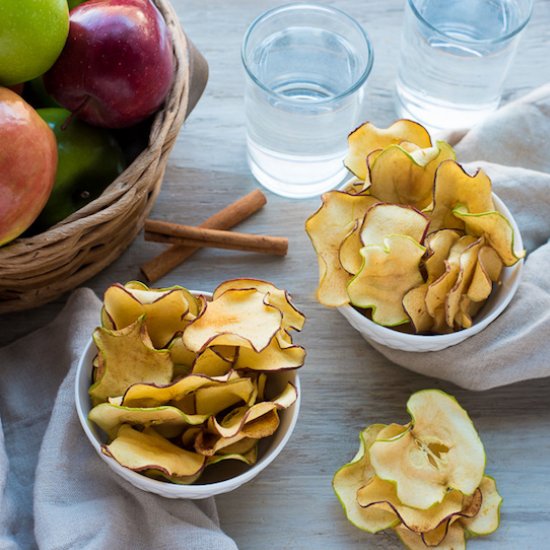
(38, 269)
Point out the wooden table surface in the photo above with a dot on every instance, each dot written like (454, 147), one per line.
(346, 385)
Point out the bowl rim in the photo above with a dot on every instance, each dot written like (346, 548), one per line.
(197, 489)
(457, 336)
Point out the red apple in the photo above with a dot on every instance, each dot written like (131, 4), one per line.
(28, 162)
(117, 65)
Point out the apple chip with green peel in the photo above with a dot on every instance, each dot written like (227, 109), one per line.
(367, 137)
(110, 417)
(147, 450)
(350, 477)
(383, 219)
(232, 319)
(454, 187)
(487, 520)
(212, 399)
(167, 311)
(292, 317)
(488, 270)
(126, 357)
(441, 451)
(277, 356)
(249, 457)
(388, 273)
(153, 395)
(327, 228)
(401, 177)
(495, 228)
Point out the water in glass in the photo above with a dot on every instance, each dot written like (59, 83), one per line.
(454, 58)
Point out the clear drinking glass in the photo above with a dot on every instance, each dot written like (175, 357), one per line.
(454, 57)
(305, 69)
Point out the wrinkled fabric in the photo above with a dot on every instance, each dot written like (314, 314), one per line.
(55, 492)
(513, 147)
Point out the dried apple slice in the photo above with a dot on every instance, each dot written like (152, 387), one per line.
(249, 457)
(127, 356)
(353, 475)
(385, 219)
(466, 268)
(496, 229)
(292, 317)
(110, 417)
(348, 253)
(147, 450)
(454, 539)
(383, 495)
(367, 137)
(441, 451)
(275, 357)
(212, 399)
(211, 363)
(326, 229)
(167, 311)
(487, 520)
(232, 319)
(414, 304)
(438, 247)
(388, 273)
(453, 187)
(488, 270)
(402, 177)
(151, 395)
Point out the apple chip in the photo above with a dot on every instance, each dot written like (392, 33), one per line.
(211, 363)
(167, 310)
(151, 395)
(402, 177)
(367, 137)
(276, 297)
(350, 477)
(487, 520)
(383, 495)
(441, 451)
(454, 187)
(278, 355)
(249, 457)
(388, 273)
(110, 417)
(466, 268)
(348, 253)
(232, 319)
(385, 219)
(126, 356)
(496, 229)
(327, 228)
(454, 538)
(147, 450)
(212, 399)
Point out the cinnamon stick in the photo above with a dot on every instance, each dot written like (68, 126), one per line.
(224, 219)
(188, 235)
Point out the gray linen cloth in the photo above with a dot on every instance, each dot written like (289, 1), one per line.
(55, 492)
(513, 147)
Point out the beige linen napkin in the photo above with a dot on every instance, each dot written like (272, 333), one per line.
(55, 492)
(513, 147)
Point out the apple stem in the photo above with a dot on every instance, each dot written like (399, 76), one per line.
(71, 117)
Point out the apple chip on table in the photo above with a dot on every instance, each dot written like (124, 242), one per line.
(413, 240)
(425, 480)
(182, 382)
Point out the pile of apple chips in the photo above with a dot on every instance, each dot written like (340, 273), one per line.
(425, 480)
(182, 382)
(414, 238)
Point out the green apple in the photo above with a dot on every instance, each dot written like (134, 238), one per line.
(74, 3)
(89, 159)
(32, 35)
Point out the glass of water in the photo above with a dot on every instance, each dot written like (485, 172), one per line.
(455, 55)
(305, 66)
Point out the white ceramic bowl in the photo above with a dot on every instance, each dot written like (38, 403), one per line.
(219, 478)
(495, 305)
